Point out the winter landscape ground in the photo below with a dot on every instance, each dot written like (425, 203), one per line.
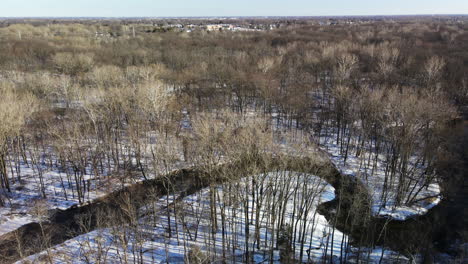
(234, 140)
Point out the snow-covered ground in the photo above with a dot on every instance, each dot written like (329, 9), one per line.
(60, 192)
(374, 180)
(24, 194)
(158, 246)
(299, 194)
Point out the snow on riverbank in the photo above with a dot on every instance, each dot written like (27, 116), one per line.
(60, 189)
(374, 180)
(190, 227)
(425, 199)
(26, 193)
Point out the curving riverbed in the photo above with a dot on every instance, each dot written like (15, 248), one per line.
(350, 211)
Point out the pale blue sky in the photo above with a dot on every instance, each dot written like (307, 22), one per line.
(164, 8)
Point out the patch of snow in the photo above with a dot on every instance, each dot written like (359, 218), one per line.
(60, 189)
(374, 179)
(191, 227)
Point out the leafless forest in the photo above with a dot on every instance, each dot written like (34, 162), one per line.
(237, 141)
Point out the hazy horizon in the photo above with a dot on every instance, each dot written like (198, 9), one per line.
(240, 8)
(220, 17)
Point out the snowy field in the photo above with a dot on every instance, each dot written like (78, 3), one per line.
(188, 229)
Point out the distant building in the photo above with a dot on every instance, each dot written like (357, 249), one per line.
(213, 27)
